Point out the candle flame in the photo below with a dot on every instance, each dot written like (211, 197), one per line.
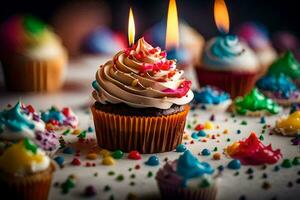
(221, 16)
(172, 34)
(131, 28)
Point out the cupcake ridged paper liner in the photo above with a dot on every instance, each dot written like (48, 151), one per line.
(33, 187)
(144, 134)
(28, 75)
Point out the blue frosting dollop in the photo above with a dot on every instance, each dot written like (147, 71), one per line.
(96, 86)
(223, 47)
(188, 166)
(15, 119)
(275, 83)
(53, 114)
(209, 95)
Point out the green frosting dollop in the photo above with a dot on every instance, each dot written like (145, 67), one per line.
(287, 64)
(255, 101)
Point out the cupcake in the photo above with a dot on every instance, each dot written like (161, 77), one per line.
(254, 104)
(228, 64)
(279, 88)
(210, 98)
(25, 172)
(288, 125)
(287, 65)
(56, 119)
(187, 178)
(19, 122)
(256, 36)
(141, 101)
(31, 54)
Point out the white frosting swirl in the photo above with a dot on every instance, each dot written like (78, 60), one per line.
(228, 53)
(142, 77)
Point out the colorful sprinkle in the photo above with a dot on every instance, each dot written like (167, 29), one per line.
(152, 161)
(120, 178)
(108, 160)
(262, 120)
(208, 125)
(195, 136)
(76, 162)
(59, 160)
(205, 152)
(89, 191)
(234, 164)
(286, 163)
(296, 161)
(118, 154)
(91, 156)
(244, 122)
(181, 148)
(104, 153)
(216, 156)
(201, 133)
(134, 155)
(199, 127)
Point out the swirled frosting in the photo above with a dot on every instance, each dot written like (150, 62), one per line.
(287, 64)
(141, 76)
(19, 122)
(23, 158)
(26, 35)
(277, 84)
(255, 101)
(228, 53)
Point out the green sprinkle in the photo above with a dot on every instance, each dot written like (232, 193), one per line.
(261, 137)
(232, 115)
(235, 121)
(263, 131)
(286, 163)
(29, 145)
(111, 173)
(195, 122)
(66, 132)
(215, 149)
(120, 178)
(132, 183)
(82, 135)
(118, 154)
(276, 168)
(244, 122)
(189, 126)
(204, 184)
(150, 174)
(130, 169)
(107, 188)
(132, 176)
(111, 197)
(228, 140)
(296, 161)
(67, 185)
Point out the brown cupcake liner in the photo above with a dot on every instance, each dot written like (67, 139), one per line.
(36, 186)
(235, 83)
(169, 192)
(27, 75)
(144, 134)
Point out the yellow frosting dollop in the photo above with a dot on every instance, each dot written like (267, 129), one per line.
(19, 160)
(290, 123)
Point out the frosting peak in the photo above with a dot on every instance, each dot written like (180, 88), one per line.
(142, 76)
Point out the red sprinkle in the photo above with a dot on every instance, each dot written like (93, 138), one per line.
(137, 167)
(30, 109)
(66, 112)
(199, 127)
(76, 162)
(134, 155)
(87, 164)
(192, 142)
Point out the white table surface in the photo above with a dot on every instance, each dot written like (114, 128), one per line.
(76, 94)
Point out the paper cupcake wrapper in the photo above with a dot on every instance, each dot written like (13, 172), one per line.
(169, 192)
(27, 75)
(144, 134)
(235, 83)
(27, 188)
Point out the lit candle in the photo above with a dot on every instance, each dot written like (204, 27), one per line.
(221, 16)
(131, 28)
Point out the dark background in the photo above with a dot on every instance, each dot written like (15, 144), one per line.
(275, 14)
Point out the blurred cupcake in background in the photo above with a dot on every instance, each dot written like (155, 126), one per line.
(190, 43)
(287, 65)
(32, 56)
(212, 99)
(257, 37)
(103, 41)
(75, 20)
(286, 41)
(280, 88)
(228, 64)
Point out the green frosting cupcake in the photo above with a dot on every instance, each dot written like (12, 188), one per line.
(255, 101)
(287, 65)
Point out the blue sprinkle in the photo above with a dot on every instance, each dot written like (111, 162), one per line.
(181, 148)
(234, 164)
(96, 86)
(152, 161)
(59, 160)
(195, 136)
(68, 150)
(90, 129)
(262, 120)
(238, 131)
(205, 152)
(221, 168)
(201, 133)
